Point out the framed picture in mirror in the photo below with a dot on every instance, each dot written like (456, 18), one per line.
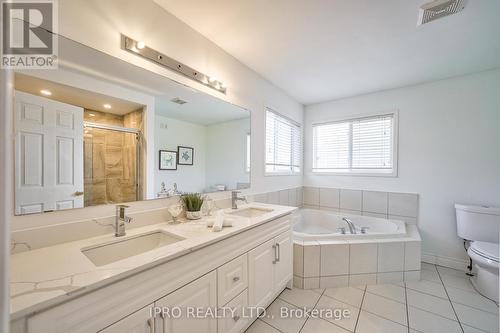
(185, 155)
(168, 160)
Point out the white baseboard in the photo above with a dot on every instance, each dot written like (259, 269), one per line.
(449, 262)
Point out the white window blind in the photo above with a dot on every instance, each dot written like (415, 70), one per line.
(356, 145)
(283, 144)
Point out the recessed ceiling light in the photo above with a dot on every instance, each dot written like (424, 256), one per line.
(140, 45)
(107, 106)
(45, 92)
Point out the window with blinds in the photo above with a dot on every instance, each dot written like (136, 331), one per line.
(362, 145)
(283, 145)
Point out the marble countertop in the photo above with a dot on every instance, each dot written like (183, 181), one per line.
(49, 276)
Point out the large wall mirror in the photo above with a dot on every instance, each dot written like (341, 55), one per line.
(99, 130)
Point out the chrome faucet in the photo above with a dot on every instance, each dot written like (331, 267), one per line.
(235, 198)
(352, 227)
(120, 219)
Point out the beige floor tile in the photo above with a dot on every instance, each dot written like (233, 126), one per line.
(259, 326)
(428, 287)
(349, 295)
(348, 323)
(472, 299)
(475, 318)
(300, 297)
(457, 282)
(428, 267)
(385, 308)
(450, 271)
(430, 323)
(430, 275)
(468, 329)
(274, 317)
(430, 303)
(391, 291)
(370, 323)
(318, 325)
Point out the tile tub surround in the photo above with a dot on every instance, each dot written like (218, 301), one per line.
(101, 219)
(69, 273)
(443, 301)
(389, 205)
(328, 264)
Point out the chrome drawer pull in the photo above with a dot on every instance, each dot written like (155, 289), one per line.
(275, 255)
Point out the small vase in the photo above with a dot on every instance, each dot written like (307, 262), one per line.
(193, 215)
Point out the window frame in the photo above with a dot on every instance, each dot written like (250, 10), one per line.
(301, 136)
(362, 172)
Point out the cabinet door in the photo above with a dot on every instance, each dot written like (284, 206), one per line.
(283, 270)
(261, 274)
(138, 322)
(199, 294)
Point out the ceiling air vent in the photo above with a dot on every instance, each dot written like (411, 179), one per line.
(437, 9)
(177, 100)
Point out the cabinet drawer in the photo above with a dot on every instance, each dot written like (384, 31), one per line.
(232, 279)
(234, 321)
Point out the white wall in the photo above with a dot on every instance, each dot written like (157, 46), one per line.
(98, 24)
(189, 178)
(226, 153)
(449, 150)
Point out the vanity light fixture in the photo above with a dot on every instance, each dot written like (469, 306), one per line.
(140, 45)
(140, 48)
(45, 92)
(107, 106)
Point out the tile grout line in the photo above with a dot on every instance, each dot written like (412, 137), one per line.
(360, 309)
(407, 310)
(449, 299)
(314, 307)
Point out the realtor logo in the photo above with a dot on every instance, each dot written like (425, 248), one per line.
(29, 39)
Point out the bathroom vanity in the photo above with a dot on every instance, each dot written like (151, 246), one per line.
(105, 284)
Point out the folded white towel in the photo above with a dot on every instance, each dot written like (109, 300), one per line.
(218, 222)
(226, 221)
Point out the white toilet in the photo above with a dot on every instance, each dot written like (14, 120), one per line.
(481, 226)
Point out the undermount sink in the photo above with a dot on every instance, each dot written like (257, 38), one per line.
(251, 212)
(104, 254)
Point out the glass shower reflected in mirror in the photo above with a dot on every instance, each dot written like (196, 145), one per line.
(111, 160)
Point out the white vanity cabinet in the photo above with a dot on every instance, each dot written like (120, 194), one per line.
(246, 270)
(270, 269)
(199, 294)
(137, 322)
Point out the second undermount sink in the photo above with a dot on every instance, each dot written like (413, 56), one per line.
(104, 254)
(251, 212)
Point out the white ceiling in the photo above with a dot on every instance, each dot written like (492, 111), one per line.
(318, 50)
(200, 108)
(67, 94)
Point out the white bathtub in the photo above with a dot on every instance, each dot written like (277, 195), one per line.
(318, 225)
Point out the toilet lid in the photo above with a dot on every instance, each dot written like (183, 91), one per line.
(486, 250)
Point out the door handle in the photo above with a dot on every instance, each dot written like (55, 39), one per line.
(275, 257)
(78, 193)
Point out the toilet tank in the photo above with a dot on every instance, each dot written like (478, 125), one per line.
(478, 223)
